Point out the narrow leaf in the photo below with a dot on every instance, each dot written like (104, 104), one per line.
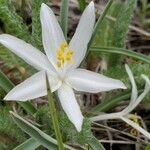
(122, 51)
(28, 144)
(95, 144)
(44, 139)
(64, 16)
(111, 103)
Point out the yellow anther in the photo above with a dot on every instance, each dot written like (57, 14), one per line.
(64, 54)
(60, 57)
(58, 64)
(60, 52)
(68, 57)
(71, 52)
(63, 45)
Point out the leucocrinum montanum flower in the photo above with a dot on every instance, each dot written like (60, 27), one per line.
(125, 114)
(60, 63)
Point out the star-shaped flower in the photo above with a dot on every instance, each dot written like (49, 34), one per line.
(135, 100)
(60, 63)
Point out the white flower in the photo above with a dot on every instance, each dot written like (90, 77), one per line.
(135, 100)
(60, 64)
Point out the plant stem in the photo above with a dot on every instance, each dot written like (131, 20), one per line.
(54, 116)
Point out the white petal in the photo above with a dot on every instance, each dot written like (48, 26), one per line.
(33, 87)
(52, 34)
(134, 94)
(106, 117)
(137, 127)
(134, 103)
(83, 34)
(27, 52)
(70, 106)
(88, 81)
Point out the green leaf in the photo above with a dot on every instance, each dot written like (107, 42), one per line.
(107, 104)
(121, 28)
(121, 51)
(44, 139)
(29, 144)
(95, 144)
(7, 85)
(82, 4)
(64, 16)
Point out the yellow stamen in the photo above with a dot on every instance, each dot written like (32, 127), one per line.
(63, 45)
(64, 54)
(71, 52)
(60, 57)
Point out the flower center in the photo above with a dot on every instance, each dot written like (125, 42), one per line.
(64, 54)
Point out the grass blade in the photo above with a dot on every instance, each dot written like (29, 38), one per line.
(45, 140)
(64, 16)
(28, 144)
(121, 51)
(95, 144)
(34, 132)
(107, 104)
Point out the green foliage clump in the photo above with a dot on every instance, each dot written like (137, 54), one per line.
(44, 119)
(12, 22)
(114, 28)
(71, 133)
(10, 134)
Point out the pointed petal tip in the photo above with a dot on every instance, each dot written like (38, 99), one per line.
(123, 86)
(91, 6)
(43, 5)
(119, 84)
(147, 80)
(79, 124)
(8, 97)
